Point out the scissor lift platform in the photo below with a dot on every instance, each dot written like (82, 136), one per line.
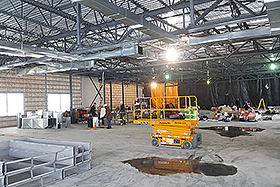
(173, 119)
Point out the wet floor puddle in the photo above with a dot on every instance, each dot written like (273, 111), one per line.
(230, 131)
(162, 166)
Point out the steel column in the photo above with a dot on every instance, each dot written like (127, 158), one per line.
(164, 94)
(111, 96)
(122, 93)
(71, 96)
(137, 90)
(103, 85)
(164, 89)
(78, 24)
(184, 20)
(192, 12)
(46, 93)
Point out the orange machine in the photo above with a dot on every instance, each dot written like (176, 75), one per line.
(173, 119)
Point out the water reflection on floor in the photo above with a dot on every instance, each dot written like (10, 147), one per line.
(230, 131)
(162, 166)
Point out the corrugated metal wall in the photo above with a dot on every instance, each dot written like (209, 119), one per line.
(35, 89)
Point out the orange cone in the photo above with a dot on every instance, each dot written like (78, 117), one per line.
(95, 126)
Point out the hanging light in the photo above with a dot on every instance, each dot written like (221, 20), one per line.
(167, 77)
(272, 66)
(171, 54)
(153, 84)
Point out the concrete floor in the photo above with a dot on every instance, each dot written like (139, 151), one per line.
(257, 157)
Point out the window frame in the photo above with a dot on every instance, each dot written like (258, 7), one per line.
(7, 105)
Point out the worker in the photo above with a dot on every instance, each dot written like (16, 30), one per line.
(122, 113)
(102, 114)
(171, 105)
(238, 103)
(77, 116)
(108, 115)
(247, 105)
(92, 110)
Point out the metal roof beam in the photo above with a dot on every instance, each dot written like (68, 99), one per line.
(56, 11)
(206, 26)
(212, 7)
(30, 20)
(17, 30)
(50, 9)
(245, 7)
(74, 32)
(66, 6)
(179, 5)
(124, 16)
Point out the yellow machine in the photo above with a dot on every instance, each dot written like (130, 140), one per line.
(173, 119)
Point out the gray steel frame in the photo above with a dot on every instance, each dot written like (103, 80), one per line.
(73, 28)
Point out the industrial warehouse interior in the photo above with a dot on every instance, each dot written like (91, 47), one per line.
(140, 93)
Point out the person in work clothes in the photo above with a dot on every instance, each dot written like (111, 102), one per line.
(92, 110)
(108, 115)
(122, 113)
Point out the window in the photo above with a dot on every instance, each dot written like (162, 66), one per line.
(58, 102)
(11, 104)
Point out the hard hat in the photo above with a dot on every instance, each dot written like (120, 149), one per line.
(105, 104)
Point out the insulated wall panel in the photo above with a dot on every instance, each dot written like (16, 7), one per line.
(129, 94)
(35, 89)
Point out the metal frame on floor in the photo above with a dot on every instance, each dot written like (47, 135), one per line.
(45, 162)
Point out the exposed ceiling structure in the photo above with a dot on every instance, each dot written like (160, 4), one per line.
(127, 39)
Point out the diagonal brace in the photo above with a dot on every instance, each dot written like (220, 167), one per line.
(214, 5)
(98, 91)
(245, 7)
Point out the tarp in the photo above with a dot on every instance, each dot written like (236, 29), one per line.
(226, 93)
(171, 90)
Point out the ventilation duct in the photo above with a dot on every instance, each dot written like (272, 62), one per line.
(87, 61)
(47, 57)
(230, 36)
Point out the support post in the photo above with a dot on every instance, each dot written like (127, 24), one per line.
(164, 93)
(122, 93)
(78, 24)
(111, 96)
(192, 12)
(71, 97)
(103, 85)
(164, 89)
(137, 90)
(184, 20)
(46, 93)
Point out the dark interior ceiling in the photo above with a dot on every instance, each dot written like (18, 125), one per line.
(128, 39)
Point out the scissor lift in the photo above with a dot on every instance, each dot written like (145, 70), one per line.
(173, 119)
